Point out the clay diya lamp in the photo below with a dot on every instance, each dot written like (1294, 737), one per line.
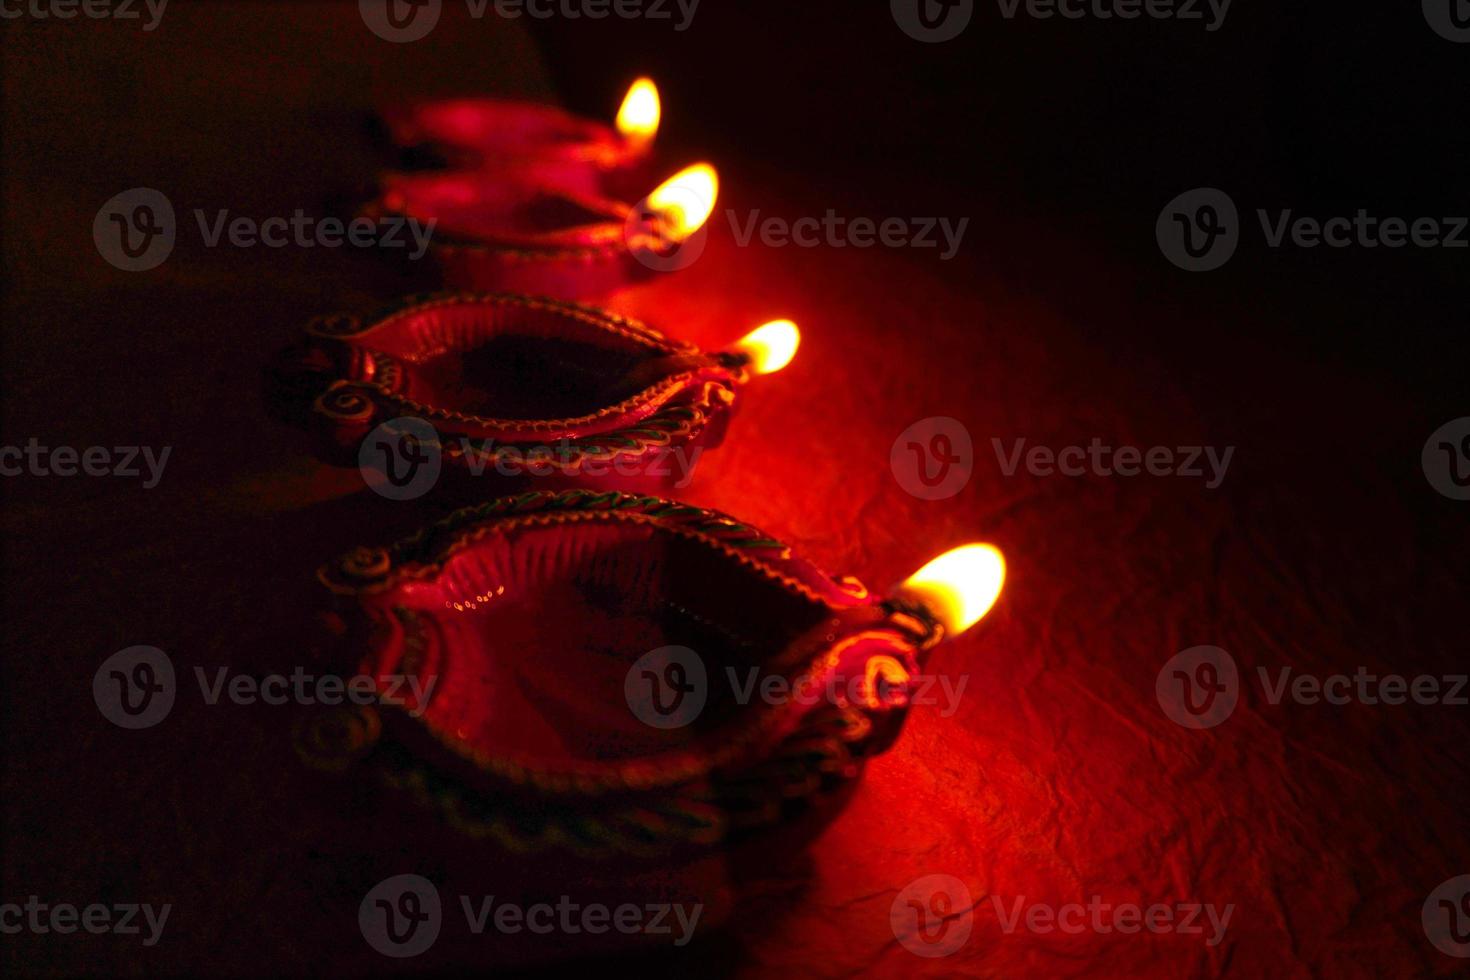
(513, 232)
(580, 660)
(502, 392)
(577, 155)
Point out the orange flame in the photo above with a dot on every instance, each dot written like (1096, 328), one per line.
(639, 114)
(685, 201)
(959, 586)
(770, 346)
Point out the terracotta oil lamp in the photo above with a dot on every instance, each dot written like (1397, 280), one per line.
(578, 155)
(509, 231)
(513, 392)
(580, 646)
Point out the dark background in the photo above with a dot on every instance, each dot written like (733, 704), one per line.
(1059, 320)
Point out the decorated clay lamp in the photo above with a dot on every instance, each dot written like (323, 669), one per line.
(505, 231)
(578, 155)
(510, 392)
(581, 646)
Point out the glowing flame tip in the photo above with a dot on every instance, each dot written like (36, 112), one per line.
(686, 200)
(959, 586)
(638, 116)
(770, 346)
